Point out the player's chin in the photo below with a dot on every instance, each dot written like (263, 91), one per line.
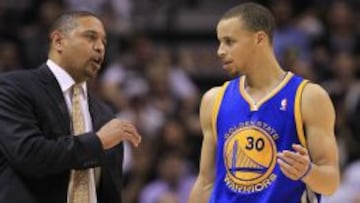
(231, 70)
(233, 73)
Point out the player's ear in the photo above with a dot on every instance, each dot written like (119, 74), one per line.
(261, 37)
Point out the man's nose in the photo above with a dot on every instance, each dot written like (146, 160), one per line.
(99, 47)
(221, 51)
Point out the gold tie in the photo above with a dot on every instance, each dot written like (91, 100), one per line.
(79, 182)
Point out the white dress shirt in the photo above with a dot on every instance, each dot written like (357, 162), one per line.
(66, 82)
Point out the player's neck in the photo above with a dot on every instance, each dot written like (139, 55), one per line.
(264, 73)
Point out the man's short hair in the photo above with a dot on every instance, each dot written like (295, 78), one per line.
(255, 17)
(67, 21)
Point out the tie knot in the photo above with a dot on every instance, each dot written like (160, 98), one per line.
(76, 90)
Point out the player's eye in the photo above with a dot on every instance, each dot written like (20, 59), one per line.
(228, 41)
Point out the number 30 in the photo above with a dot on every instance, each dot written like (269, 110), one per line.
(258, 144)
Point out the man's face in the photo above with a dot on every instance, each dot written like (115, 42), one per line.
(84, 48)
(237, 45)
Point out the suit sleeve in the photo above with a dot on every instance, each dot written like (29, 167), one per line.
(24, 145)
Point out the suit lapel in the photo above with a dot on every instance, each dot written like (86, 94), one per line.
(111, 172)
(52, 87)
(94, 112)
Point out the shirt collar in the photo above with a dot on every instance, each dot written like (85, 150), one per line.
(64, 78)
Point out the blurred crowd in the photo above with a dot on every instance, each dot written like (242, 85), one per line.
(161, 58)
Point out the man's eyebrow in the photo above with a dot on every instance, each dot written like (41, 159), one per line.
(96, 33)
(224, 38)
(90, 32)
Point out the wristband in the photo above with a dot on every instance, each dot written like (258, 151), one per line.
(307, 171)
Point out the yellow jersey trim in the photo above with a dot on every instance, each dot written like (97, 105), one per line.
(297, 112)
(216, 107)
(255, 106)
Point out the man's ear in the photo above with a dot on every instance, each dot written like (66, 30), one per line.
(57, 40)
(261, 37)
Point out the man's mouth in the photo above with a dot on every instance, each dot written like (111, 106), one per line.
(97, 61)
(226, 64)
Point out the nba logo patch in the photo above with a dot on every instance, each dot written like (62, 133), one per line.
(283, 105)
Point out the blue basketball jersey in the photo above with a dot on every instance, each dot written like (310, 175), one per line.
(249, 136)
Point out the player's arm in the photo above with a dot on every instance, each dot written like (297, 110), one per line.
(319, 119)
(321, 174)
(204, 183)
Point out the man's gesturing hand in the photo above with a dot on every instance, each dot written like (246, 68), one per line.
(115, 131)
(295, 165)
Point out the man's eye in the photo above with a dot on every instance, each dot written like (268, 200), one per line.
(229, 41)
(91, 36)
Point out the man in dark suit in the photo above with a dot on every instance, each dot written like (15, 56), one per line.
(40, 149)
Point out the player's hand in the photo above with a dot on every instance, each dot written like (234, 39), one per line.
(295, 165)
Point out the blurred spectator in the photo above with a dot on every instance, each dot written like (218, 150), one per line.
(172, 179)
(310, 24)
(168, 198)
(120, 83)
(288, 39)
(344, 70)
(124, 78)
(9, 57)
(13, 15)
(142, 163)
(352, 110)
(181, 84)
(160, 93)
(350, 187)
(95, 6)
(340, 36)
(303, 68)
(34, 36)
(173, 137)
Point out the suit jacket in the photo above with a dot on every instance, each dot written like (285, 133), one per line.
(37, 147)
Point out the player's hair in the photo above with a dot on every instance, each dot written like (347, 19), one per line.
(255, 17)
(67, 21)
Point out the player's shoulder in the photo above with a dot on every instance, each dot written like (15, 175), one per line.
(209, 99)
(211, 94)
(313, 91)
(316, 100)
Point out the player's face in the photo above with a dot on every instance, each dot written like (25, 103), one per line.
(84, 48)
(236, 45)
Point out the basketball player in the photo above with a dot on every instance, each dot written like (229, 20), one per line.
(268, 134)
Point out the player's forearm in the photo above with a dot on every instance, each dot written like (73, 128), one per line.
(200, 192)
(195, 192)
(323, 179)
(207, 189)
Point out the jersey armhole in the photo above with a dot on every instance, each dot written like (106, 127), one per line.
(216, 107)
(297, 112)
(310, 197)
